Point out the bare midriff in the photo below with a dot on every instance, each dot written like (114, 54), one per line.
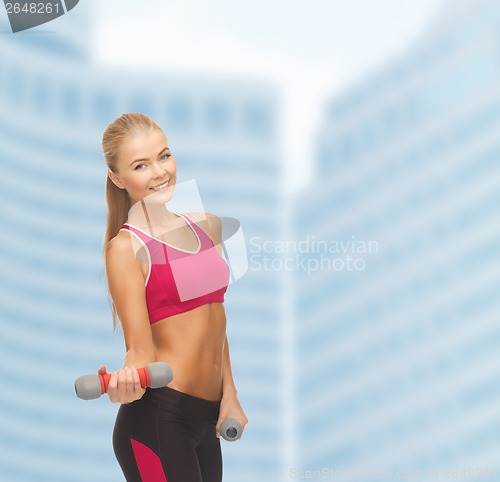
(193, 344)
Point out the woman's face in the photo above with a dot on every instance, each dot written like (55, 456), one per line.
(145, 163)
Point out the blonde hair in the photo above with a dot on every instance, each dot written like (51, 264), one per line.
(118, 200)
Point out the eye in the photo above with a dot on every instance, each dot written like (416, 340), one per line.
(136, 168)
(165, 156)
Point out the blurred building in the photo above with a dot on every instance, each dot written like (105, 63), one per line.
(398, 274)
(54, 313)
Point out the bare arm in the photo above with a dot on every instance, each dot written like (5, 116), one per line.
(228, 386)
(230, 406)
(126, 285)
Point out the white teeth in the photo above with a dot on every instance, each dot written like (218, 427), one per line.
(161, 186)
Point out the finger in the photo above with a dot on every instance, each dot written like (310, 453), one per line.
(113, 382)
(122, 380)
(137, 380)
(129, 376)
(122, 384)
(138, 389)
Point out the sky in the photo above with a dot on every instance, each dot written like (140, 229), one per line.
(312, 50)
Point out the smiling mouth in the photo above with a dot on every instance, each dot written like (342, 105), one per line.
(160, 186)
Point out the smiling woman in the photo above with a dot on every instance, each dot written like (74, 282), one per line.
(144, 174)
(167, 290)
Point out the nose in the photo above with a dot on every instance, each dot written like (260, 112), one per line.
(159, 171)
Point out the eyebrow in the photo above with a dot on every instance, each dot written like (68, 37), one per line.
(146, 159)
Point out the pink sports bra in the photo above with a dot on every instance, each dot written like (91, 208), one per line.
(180, 280)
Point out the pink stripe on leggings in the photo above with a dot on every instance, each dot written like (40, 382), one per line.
(148, 462)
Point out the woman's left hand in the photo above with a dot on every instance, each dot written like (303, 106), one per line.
(230, 408)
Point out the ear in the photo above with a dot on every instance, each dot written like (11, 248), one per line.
(115, 179)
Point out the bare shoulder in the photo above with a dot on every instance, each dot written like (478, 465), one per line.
(120, 244)
(124, 248)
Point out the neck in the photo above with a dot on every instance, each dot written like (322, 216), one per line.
(152, 217)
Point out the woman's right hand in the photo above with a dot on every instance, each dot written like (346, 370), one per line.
(124, 385)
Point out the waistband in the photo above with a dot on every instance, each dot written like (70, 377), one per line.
(183, 403)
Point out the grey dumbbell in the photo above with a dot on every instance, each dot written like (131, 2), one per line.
(154, 375)
(230, 429)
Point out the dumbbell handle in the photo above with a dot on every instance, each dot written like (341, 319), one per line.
(230, 429)
(154, 375)
(143, 377)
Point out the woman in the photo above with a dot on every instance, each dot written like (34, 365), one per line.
(166, 279)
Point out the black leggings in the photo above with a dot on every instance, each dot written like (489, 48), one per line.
(168, 436)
